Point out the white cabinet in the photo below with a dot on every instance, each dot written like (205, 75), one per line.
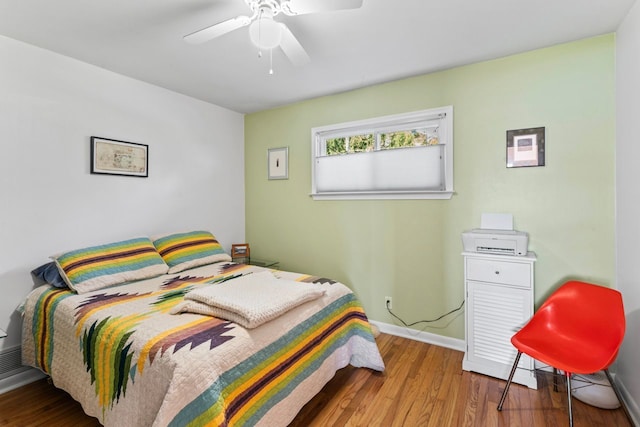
(499, 295)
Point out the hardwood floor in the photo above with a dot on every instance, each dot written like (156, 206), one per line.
(424, 385)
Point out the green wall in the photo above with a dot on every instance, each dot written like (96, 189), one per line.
(410, 249)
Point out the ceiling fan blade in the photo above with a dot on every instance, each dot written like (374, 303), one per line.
(217, 30)
(301, 7)
(292, 48)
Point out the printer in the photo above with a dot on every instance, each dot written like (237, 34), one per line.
(496, 236)
(502, 242)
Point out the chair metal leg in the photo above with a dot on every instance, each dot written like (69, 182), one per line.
(568, 374)
(619, 396)
(506, 389)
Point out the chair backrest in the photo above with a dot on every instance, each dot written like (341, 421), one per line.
(587, 312)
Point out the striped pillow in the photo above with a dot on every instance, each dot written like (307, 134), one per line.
(98, 267)
(187, 250)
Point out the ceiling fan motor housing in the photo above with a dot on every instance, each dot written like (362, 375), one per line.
(262, 7)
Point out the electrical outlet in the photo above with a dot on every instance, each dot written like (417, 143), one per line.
(388, 303)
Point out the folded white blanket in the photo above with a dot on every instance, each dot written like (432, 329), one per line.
(250, 300)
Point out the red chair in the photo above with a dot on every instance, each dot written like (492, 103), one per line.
(577, 330)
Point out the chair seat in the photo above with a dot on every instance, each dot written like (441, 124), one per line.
(578, 329)
(564, 353)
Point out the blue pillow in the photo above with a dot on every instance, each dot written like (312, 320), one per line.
(48, 273)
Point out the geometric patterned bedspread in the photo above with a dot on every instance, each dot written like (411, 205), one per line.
(121, 354)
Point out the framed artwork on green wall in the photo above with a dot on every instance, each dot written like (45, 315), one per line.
(525, 147)
(278, 163)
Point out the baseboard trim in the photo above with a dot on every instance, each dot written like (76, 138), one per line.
(426, 337)
(630, 403)
(18, 380)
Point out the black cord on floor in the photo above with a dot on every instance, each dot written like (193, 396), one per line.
(424, 321)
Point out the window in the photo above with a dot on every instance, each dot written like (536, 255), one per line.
(404, 156)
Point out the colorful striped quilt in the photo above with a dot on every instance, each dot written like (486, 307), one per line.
(123, 356)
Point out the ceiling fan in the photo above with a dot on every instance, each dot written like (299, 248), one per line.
(265, 32)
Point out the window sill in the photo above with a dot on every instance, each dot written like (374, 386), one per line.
(384, 195)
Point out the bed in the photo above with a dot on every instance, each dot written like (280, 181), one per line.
(125, 357)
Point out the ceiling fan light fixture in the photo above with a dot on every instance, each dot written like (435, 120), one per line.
(265, 33)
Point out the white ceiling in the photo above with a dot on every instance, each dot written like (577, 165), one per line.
(382, 41)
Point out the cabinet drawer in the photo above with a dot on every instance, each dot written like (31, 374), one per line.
(494, 271)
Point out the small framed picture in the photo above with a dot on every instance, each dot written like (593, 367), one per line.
(240, 250)
(112, 157)
(525, 147)
(278, 163)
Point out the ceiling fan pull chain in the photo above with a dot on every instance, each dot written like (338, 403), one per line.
(259, 33)
(271, 62)
(260, 13)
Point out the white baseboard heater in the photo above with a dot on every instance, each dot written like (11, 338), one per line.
(11, 362)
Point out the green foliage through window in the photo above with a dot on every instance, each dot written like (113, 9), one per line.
(351, 144)
(388, 140)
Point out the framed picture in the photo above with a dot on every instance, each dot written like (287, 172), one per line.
(112, 157)
(525, 147)
(278, 163)
(240, 250)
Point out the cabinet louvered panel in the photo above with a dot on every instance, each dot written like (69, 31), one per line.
(496, 314)
(499, 293)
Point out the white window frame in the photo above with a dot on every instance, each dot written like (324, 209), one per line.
(416, 119)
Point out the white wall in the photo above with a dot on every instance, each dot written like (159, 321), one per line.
(628, 199)
(50, 105)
